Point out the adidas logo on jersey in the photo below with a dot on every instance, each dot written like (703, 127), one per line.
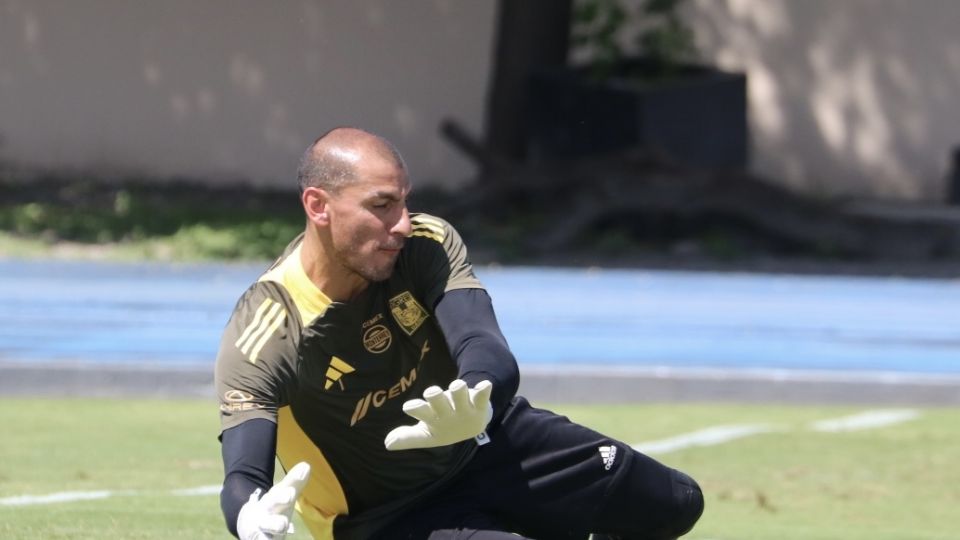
(336, 370)
(609, 455)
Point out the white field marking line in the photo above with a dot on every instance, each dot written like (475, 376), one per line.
(865, 420)
(721, 434)
(64, 496)
(202, 490)
(73, 496)
(704, 437)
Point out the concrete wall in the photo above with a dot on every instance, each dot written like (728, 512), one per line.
(847, 96)
(236, 89)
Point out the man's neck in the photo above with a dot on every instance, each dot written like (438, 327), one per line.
(338, 283)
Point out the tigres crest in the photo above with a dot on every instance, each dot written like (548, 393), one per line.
(408, 313)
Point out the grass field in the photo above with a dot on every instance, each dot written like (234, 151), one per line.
(898, 482)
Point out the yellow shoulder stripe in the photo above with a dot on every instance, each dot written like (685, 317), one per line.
(427, 234)
(268, 317)
(257, 318)
(428, 227)
(423, 219)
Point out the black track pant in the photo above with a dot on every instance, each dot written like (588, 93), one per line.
(545, 477)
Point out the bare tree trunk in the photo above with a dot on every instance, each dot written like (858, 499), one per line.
(531, 34)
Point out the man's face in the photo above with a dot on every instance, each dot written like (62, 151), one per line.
(369, 220)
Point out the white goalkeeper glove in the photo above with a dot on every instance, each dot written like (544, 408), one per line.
(268, 518)
(445, 417)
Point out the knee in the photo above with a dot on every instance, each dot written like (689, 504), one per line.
(687, 504)
(653, 504)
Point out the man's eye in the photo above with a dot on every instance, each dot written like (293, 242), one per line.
(381, 205)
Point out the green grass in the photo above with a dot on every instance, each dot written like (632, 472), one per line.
(150, 447)
(896, 483)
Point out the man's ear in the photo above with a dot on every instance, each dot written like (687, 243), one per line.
(315, 203)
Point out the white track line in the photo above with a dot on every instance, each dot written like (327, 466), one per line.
(704, 437)
(865, 420)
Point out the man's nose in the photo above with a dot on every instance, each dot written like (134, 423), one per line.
(403, 226)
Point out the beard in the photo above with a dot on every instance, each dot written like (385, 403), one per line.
(366, 266)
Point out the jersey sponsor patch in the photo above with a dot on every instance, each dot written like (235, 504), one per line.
(378, 398)
(377, 339)
(237, 400)
(408, 313)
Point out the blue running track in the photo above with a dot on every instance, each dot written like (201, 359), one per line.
(93, 313)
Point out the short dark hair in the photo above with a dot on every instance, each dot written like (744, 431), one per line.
(328, 171)
(320, 169)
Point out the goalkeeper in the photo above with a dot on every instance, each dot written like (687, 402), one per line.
(368, 361)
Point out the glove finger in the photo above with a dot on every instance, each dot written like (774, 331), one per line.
(419, 409)
(407, 437)
(296, 477)
(480, 395)
(460, 395)
(279, 500)
(439, 401)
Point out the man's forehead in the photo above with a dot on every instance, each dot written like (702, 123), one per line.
(391, 190)
(392, 184)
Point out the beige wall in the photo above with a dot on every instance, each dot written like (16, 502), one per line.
(235, 89)
(846, 96)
